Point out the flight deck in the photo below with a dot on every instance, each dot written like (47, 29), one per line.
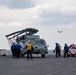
(39, 66)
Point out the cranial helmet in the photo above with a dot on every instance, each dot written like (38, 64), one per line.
(28, 41)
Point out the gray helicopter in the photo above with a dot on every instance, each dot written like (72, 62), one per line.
(22, 36)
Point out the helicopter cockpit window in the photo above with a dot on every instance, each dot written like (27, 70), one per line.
(38, 42)
(43, 42)
(32, 41)
(23, 41)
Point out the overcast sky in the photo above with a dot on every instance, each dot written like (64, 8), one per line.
(48, 16)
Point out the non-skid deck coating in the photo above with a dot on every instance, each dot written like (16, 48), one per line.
(39, 66)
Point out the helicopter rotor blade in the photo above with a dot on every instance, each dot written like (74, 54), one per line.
(29, 30)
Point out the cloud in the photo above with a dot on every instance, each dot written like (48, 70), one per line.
(69, 27)
(54, 18)
(46, 12)
(69, 11)
(2, 24)
(17, 4)
(55, 12)
(56, 15)
(12, 24)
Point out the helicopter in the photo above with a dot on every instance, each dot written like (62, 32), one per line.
(22, 36)
(60, 31)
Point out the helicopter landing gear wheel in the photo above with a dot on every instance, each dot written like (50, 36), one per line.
(22, 55)
(43, 55)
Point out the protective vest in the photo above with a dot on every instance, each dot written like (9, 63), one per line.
(13, 47)
(28, 46)
(57, 47)
(66, 48)
(60, 48)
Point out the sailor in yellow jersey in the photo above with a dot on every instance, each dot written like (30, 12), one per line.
(29, 49)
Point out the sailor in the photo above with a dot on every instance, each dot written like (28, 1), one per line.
(13, 49)
(18, 50)
(57, 50)
(29, 49)
(66, 49)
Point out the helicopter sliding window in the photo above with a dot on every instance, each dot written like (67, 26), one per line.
(32, 41)
(43, 42)
(38, 42)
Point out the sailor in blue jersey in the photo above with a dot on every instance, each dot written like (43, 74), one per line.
(57, 50)
(66, 49)
(13, 49)
(18, 50)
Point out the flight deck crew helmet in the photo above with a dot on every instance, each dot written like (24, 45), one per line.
(28, 41)
(65, 44)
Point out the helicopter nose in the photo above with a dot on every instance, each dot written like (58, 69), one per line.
(45, 47)
(36, 47)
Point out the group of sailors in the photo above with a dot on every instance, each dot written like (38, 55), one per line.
(16, 50)
(58, 50)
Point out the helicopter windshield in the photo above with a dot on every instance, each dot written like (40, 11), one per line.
(35, 41)
(43, 41)
(38, 42)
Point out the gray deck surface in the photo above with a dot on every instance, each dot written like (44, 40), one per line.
(39, 66)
